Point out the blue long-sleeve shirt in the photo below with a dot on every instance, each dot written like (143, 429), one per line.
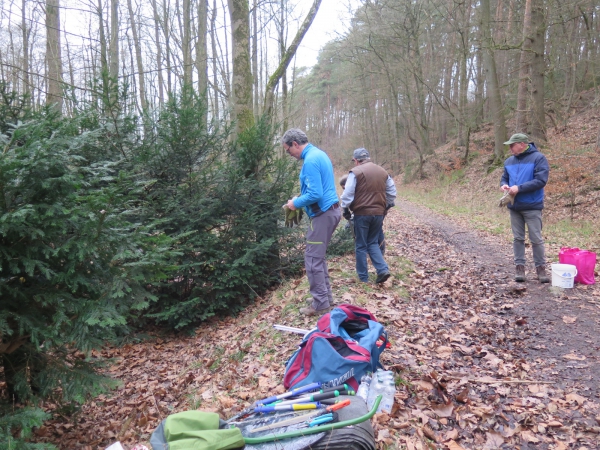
(317, 182)
(529, 171)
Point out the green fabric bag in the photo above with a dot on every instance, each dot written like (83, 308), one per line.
(195, 430)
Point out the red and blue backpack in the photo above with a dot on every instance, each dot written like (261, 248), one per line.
(341, 350)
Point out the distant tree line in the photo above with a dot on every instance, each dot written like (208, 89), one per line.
(410, 76)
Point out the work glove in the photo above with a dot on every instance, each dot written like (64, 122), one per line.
(387, 207)
(506, 199)
(292, 217)
(347, 214)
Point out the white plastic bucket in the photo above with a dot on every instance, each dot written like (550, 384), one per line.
(563, 275)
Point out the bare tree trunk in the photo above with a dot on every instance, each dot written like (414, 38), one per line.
(492, 82)
(464, 79)
(25, 33)
(524, 71)
(284, 86)
(287, 57)
(71, 77)
(167, 32)
(53, 55)
(538, 69)
(161, 94)
(104, 70)
(242, 73)
(114, 40)
(138, 57)
(201, 48)
(255, 105)
(186, 44)
(213, 41)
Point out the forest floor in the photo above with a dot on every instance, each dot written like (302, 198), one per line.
(483, 362)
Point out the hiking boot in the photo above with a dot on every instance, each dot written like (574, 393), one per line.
(310, 311)
(382, 277)
(309, 300)
(520, 273)
(541, 274)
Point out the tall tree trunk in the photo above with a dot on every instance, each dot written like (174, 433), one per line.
(201, 47)
(104, 70)
(522, 123)
(114, 41)
(538, 70)
(284, 86)
(53, 55)
(167, 32)
(215, 71)
(186, 44)
(25, 34)
(138, 57)
(255, 105)
(161, 94)
(241, 101)
(465, 25)
(492, 83)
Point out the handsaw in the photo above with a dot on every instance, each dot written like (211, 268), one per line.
(301, 418)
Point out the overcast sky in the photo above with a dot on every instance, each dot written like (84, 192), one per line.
(332, 21)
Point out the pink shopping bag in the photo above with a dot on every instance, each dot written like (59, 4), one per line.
(583, 260)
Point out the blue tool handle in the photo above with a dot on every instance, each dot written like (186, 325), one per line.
(300, 390)
(321, 419)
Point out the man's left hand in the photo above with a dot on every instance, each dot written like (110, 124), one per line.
(514, 190)
(347, 214)
(290, 205)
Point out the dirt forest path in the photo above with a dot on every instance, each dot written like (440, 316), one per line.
(479, 324)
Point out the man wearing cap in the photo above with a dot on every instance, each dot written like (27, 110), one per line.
(525, 175)
(369, 193)
(319, 198)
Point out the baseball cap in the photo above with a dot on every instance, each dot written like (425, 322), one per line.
(519, 137)
(361, 153)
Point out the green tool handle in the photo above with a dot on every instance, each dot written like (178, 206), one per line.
(318, 429)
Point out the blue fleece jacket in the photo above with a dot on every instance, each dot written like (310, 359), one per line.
(529, 171)
(317, 182)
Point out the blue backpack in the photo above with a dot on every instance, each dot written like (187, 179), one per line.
(342, 349)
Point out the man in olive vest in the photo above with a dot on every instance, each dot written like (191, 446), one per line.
(368, 194)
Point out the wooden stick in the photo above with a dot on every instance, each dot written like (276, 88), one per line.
(480, 380)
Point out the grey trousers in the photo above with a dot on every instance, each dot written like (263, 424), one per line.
(318, 235)
(533, 219)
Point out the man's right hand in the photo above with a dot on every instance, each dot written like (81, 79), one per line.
(504, 188)
(347, 214)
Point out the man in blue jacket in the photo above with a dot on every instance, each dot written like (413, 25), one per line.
(319, 198)
(525, 175)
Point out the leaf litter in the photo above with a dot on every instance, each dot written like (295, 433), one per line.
(463, 351)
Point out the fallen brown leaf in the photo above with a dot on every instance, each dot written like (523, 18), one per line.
(576, 398)
(494, 440)
(452, 445)
(529, 437)
(443, 410)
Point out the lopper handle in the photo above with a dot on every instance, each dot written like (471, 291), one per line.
(294, 407)
(293, 392)
(337, 406)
